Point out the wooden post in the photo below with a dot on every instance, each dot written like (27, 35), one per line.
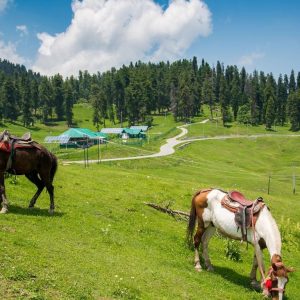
(98, 150)
(87, 152)
(294, 184)
(269, 183)
(84, 155)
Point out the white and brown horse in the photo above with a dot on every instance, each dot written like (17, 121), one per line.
(210, 213)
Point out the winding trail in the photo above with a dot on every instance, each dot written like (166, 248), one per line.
(171, 143)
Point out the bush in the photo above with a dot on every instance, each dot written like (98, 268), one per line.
(232, 250)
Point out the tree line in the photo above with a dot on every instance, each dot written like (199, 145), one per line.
(134, 93)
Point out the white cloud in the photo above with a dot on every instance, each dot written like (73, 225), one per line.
(107, 33)
(8, 51)
(22, 29)
(4, 4)
(250, 59)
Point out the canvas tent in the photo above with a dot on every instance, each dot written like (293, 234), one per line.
(78, 137)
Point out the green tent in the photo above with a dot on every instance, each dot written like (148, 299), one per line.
(79, 137)
(81, 133)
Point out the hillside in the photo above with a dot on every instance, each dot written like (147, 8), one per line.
(104, 243)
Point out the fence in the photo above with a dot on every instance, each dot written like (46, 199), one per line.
(283, 178)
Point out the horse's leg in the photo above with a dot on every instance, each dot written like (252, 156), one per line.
(34, 178)
(3, 199)
(258, 260)
(208, 233)
(254, 283)
(45, 177)
(197, 241)
(50, 189)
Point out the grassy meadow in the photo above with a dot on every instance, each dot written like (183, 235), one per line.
(104, 243)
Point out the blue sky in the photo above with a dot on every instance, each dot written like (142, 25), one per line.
(65, 36)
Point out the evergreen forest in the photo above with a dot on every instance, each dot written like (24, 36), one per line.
(132, 94)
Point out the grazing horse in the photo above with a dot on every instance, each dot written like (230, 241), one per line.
(22, 156)
(237, 218)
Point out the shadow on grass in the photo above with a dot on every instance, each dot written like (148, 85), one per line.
(233, 277)
(25, 211)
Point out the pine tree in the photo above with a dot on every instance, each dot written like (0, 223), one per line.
(219, 74)
(174, 100)
(95, 99)
(244, 114)
(262, 87)
(9, 101)
(58, 96)
(224, 101)
(235, 93)
(163, 97)
(294, 110)
(68, 100)
(26, 101)
(185, 97)
(34, 95)
(208, 95)
(298, 81)
(120, 82)
(292, 82)
(270, 93)
(255, 99)
(45, 95)
(281, 101)
(243, 78)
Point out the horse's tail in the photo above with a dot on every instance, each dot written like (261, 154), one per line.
(192, 222)
(53, 167)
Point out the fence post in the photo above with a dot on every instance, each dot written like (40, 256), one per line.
(269, 183)
(294, 184)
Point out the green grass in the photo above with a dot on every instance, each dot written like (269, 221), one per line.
(215, 128)
(104, 243)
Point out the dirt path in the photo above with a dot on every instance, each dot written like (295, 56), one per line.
(171, 143)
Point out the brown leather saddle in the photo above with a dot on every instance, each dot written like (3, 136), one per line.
(245, 211)
(9, 143)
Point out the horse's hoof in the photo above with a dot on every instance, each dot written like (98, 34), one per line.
(31, 207)
(3, 210)
(51, 212)
(198, 269)
(210, 269)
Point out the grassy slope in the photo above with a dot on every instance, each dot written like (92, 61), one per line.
(104, 242)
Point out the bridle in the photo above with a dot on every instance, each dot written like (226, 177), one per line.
(271, 280)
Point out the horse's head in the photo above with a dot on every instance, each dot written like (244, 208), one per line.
(274, 285)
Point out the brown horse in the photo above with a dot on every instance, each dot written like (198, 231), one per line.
(22, 156)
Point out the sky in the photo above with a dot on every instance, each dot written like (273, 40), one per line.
(65, 36)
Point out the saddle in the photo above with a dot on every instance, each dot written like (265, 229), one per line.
(245, 211)
(9, 143)
(26, 138)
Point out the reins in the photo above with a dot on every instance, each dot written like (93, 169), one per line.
(256, 242)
